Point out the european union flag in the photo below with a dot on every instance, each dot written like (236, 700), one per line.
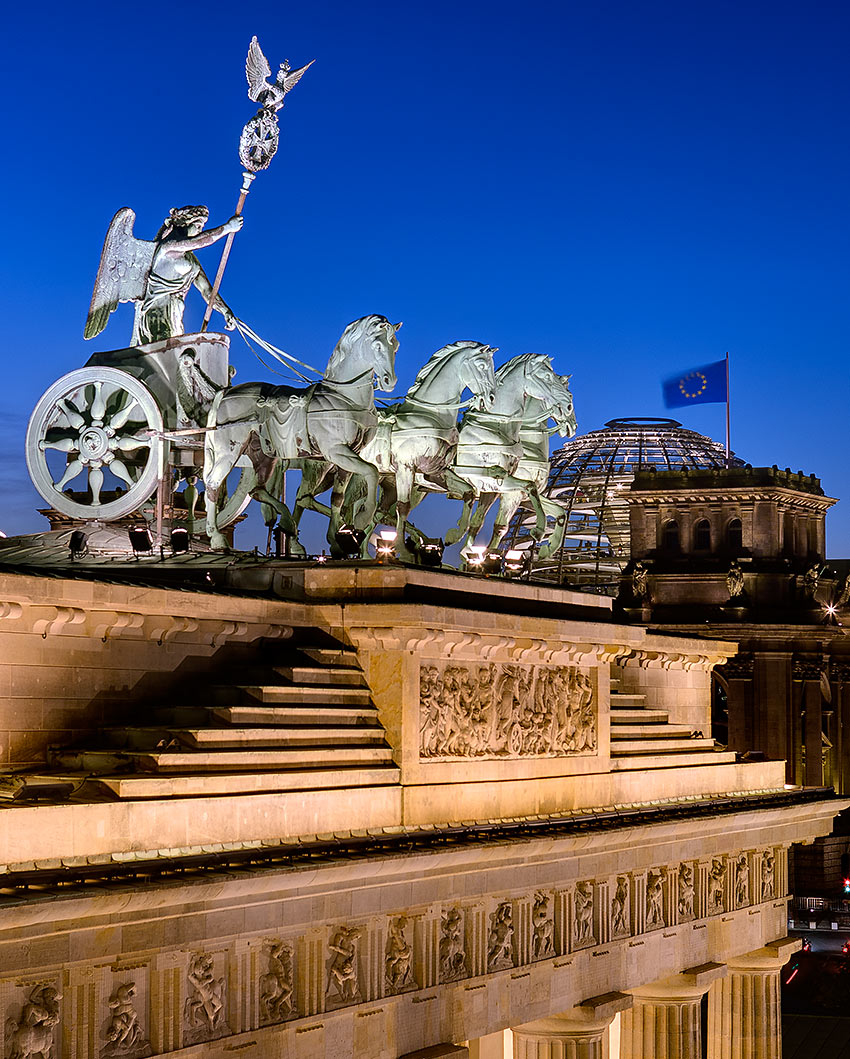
(698, 386)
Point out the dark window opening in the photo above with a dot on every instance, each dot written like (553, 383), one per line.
(702, 536)
(671, 536)
(735, 536)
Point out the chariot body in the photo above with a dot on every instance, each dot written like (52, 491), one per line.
(115, 437)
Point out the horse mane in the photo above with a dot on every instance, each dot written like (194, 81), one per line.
(353, 334)
(435, 361)
(519, 362)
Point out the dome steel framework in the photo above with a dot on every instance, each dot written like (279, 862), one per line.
(590, 475)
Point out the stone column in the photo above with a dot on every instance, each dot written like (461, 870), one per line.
(813, 734)
(576, 1034)
(665, 1022)
(744, 1013)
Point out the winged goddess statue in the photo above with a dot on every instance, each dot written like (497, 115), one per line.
(156, 275)
(257, 70)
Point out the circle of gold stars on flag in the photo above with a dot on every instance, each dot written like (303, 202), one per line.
(695, 388)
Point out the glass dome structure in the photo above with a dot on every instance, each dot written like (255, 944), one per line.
(590, 476)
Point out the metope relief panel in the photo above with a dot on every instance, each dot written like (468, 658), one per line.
(204, 1010)
(501, 710)
(123, 1030)
(398, 974)
(686, 892)
(453, 959)
(542, 927)
(33, 1027)
(277, 983)
(621, 908)
(343, 968)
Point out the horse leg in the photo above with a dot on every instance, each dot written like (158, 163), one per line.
(338, 511)
(364, 510)
(314, 480)
(485, 502)
(556, 539)
(404, 492)
(217, 466)
(508, 504)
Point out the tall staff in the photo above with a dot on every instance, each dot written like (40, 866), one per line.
(260, 137)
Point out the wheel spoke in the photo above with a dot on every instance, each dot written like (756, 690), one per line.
(61, 445)
(95, 484)
(72, 415)
(132, 441)
(98, 405)
(74, 468)
(119, 469)
(119, 419)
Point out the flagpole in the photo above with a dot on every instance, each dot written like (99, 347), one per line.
(728, 395)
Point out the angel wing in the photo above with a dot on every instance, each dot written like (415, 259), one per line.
(125, 264)
(257, 69)
(291, 79)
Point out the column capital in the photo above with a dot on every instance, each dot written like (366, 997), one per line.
(689, 985)
(770, 957)
(590, 1017)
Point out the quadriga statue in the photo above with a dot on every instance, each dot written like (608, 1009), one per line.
(156, 275)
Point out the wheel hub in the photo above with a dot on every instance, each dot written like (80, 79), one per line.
(94, 443)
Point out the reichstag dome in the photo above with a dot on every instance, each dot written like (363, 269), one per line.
(590, 475)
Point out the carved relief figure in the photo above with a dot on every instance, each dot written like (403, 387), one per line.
(124, 1035)
(398, 956)
(204, 1006)
(654, 899)
(500, 939)
(502, 710)
(686, 891)
(452, 954)
(542, 927)
(768, 879)
(742, 880)
(343, 976)
(583, 914)
(32, 1033)
(276, 986)
(620, 906)
(716, 882)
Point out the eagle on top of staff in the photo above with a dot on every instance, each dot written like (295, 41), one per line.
(257, 70)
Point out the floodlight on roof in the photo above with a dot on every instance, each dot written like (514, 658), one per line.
(349, 540)
(141, 540)
(179, 540)
(78, 544)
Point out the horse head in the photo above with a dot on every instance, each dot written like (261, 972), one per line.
(478, 374)
(371, 342)
(559, 405)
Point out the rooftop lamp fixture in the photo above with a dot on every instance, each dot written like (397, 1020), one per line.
(141, 540)
(431, 552)
(78, 544)
(179, 540)
(385, 544)
(517, 562)
(349, 539)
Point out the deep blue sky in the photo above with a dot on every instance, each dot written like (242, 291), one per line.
(632, 187)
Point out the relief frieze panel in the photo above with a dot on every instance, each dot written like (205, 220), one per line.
(453, 962)
(277, 984)
(502, 710)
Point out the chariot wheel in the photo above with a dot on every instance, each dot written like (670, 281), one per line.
(100, 428)
(515, 740)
